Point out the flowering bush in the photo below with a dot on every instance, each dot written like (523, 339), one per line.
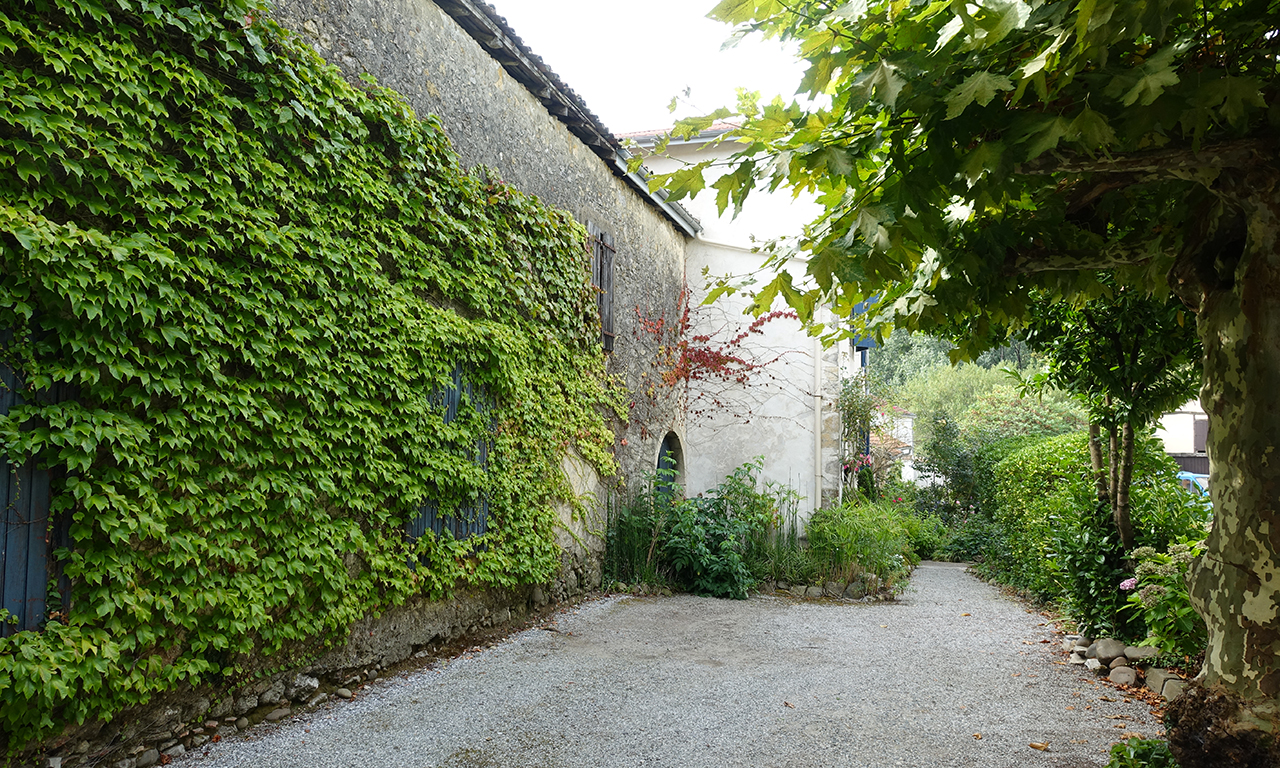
(1158, 593)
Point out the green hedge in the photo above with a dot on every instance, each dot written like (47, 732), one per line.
(257, 279)
(1050, 537)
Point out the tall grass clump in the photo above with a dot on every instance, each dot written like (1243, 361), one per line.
(778, 552)
(862, 538)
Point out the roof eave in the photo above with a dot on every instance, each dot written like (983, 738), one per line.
(491, 31)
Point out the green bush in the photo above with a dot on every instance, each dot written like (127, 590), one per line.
(971, 541)
(701, 544)
(1141, 753)
(1054, 540)
(1158, 596)
(1035, 492)
(927, 535)
(862, 537)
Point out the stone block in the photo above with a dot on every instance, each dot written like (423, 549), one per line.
(1141, 652)
(246, 703)
(273, 694)
(148, 758)
(1093, 665)
(1123, 676)
(1108, 649)
(1173, 688)
(301, 687)
(1156, 678)
(1119, 661)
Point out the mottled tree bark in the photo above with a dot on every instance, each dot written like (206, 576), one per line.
(1235, 585)
(1095, 458)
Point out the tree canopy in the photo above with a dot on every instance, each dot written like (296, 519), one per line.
(975, 157)
(973, 154)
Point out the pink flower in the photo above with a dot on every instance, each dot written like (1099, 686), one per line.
(1128, 584)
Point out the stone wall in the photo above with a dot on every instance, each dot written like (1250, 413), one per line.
(417, 49)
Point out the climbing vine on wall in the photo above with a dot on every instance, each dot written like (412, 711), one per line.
(257, 278)
(715, 361)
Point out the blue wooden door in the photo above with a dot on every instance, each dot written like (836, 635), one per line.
(472, 519)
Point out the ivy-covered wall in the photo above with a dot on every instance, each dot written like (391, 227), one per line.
(417, 48)
(256, 280)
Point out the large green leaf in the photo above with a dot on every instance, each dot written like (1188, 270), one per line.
(980, 87)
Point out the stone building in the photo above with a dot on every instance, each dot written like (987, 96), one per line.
(786, 411)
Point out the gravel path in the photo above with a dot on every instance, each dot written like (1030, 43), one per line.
(688, 681)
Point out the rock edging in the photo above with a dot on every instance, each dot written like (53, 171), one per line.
(1123, 664)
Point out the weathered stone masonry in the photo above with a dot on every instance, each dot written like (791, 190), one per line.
(502, 108)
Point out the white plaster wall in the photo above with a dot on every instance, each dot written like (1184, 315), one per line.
(774, 415)
(1177, 430)
(785, 414)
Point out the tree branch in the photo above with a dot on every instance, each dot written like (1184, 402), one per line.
(1170, 163)
(1041, 260)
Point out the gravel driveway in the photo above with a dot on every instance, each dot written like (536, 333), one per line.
(688, 681)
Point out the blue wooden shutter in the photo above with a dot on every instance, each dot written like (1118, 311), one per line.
(472, 519)
(24, 548)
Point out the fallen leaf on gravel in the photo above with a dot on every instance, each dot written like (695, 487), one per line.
(1106, 698)
(966, 614)
(1130, 735)
(1043, 746)
(884, 626)
(1070, 707)
(977, 736)
(789, 704)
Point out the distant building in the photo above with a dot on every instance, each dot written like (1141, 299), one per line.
(787, 413)
(1185, 434)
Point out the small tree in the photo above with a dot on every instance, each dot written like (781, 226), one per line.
(1128, 358)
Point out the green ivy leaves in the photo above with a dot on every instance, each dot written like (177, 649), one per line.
(254, 276)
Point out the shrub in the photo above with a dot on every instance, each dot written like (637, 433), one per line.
(706, 544)
(1158, 596)
(972, 541)
(1054, 539)
(927, 535)
(861, 537)
(1141, 753)
(698, 544)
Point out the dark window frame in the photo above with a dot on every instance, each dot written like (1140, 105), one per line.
(603, 252)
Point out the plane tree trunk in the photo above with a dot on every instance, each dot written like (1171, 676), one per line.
(1233, 716)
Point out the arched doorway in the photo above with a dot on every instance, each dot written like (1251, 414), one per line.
(670, 465)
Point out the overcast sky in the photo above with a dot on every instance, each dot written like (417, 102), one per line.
(628, 59)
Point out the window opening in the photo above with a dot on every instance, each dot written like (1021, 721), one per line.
(471, 518)
(602, 252)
